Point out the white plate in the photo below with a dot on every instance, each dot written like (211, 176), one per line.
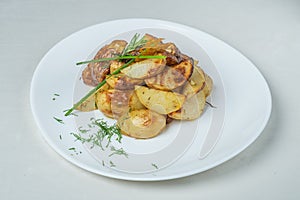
(240, 93)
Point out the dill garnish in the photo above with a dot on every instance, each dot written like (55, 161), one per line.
(53, 98)
(97, 132)
(75, 151)
(154, 165)
(118, 152)
(83, 130)
(112, 164)
(58, 120)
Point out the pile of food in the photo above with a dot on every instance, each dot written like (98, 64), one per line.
(144, 85)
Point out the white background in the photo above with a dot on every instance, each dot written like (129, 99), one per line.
(267, 32)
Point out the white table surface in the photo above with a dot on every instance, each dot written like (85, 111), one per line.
(267, 32)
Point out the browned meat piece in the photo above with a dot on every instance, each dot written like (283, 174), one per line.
(94, 73)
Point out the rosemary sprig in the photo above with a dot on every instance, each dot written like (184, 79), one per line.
(134, 43)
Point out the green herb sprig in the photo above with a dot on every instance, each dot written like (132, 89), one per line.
(134, 43)
(118, 152)
(58, 120)
(96, 138)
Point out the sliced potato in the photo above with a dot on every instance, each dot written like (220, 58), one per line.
(162, 102)
(142, 123)
(171, 77)
(88, 105)
(191, 109)
(208, 85)
(104, 87)
(114, 103)
(103, 101)
(135, 103)
(114, 65)
(195, 83)
(123, 82)
(145, 68)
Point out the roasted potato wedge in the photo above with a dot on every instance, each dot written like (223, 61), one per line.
(114, 103)
(141, 124)
(162, 102)
(114, 65)
(123, 82)
(103, 101)
(191, 109)
(195, 83)
(145, 68)
(135, 103)
(172, 77)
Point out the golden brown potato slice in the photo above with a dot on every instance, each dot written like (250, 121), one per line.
(171, 77)
(122, 82)
(104, 87)
(141, 124)
(103, 101)
(162, 102)
(114, 65)
(145, 68)
(195, 83)
(208, 85)
(191, 109)
(135, 103)
(114, 103)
